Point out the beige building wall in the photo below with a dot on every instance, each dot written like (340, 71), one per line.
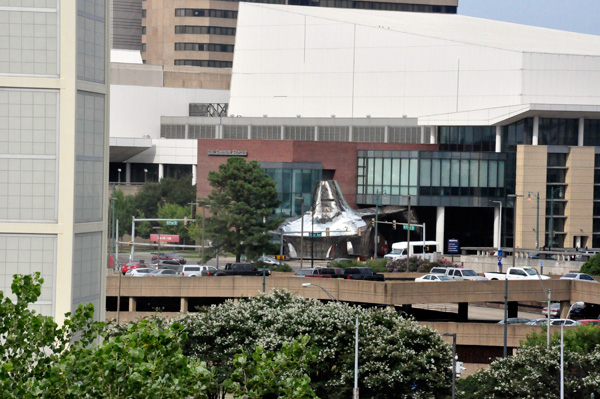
(530, 182)
(580, 197)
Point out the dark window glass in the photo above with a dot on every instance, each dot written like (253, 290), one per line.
(597, 192)
(597, 208)
(559, 192)
(597, 176)
(556, 175)
(205, 63)
(203, 12)
(467, 138)
(516, 133)
(554, 131)
(596, 224)
(557, 160)
(143, 13)
(223, 48)
(204, 30)
(143, 30)
(591, 132)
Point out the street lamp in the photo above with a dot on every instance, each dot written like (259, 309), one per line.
(378, 194)
(301, 199)
(499, 225)
(409, 196)
(551, 228)
(355, 390)
(537, 217)
(453, 335)
(514, 255)
(119, 177)
(145, 175)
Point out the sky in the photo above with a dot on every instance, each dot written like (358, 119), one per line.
(582, 16)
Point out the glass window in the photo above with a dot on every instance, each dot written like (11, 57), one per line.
(557, 159)
(464, 173)
(554, 131)
(425, 178)
(445, 173)
(474, 173)
(387, 171)
(413, 171)
(435, 172)
(404, 173)
(395, 172)
(483, 173)
(378, 172)
(591, 132)
(500, 174)
(454, 173)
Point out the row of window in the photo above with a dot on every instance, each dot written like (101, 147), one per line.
(204, 30)
(375, 5)
(205, 63)
(467, 138)
(223, 48)
(205, 12)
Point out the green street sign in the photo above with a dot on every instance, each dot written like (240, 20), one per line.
(171, 222)
(314, 234)
(405, 227)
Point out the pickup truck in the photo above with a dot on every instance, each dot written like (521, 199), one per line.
(456, 273)
(362, 273)
(238, 269)
(516, 273)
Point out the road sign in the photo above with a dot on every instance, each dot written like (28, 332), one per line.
(453, 246)
(500, 252)
(405, 227)
(314, 234)
(171, 222)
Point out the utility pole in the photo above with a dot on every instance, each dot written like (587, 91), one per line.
(301, 199)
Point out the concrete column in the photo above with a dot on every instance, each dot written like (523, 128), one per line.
(187, 131)
(132, 304)
(536, 130)
(127, 173)
(282, 133)
(439, 227)
(183, 308)
(433, 135)
(249, 132)
(564, 309)
(386, 134)
(316, 133)
(350, 133)
(463, 311)
(498, 138)
(497, 221)
(161, 171)
(580, 127)
(194, 167)
(422, 140)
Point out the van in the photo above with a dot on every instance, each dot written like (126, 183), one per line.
(420, 249)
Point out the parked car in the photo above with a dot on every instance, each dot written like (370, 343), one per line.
(590, 322)
(269, 260)
(538, 322)
(168, 256)
(140, 272)
(238, 269)
(433, 277)
(321, 272)
(577, 310)
(132, 265)
(304, 272)
(164, 273)
(515, 320)
(456, 273)
(196, 270)
(554, 309)
(438, 270)
(516, 273)
(362, 273)
(578, 276)
(564, 322)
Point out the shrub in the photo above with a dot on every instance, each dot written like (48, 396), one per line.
(592, 266)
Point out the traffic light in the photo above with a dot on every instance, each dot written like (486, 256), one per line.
(394, 224)
(373, 222)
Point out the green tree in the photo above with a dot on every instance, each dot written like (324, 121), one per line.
(591, 266)
(242, 203)
(175, 211)
(395, 354)
(265, 374)
(124, 211)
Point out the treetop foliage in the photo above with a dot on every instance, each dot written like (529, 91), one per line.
(591, 266)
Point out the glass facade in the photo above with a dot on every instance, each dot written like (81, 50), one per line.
(516, 133)
(293, 180)
(555, 199)
(467, 138)
(591, 129)
(432, 177)
(554, 131)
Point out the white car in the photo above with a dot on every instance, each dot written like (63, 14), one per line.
(164, 273)
(578, 276)
(196, 270)
(433, 277)
(140, 272)
(564, 322)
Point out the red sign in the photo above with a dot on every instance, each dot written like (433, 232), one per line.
(164, 237)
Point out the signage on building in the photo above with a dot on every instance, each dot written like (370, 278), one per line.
(164, 237)
(228, 153)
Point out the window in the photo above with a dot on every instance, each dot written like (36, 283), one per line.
(266, 132)
(554, 131)
(201, 132)
(205, 63)
(591, 132)
(302, 133)
(172, 131)
(204, 30)
(223, 48)
(333, 133)
(373, 134)
(203, 12)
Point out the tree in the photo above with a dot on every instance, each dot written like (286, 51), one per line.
(242, 203)
(174, 211)
(124, 210)
(592, 266)
(395, 354)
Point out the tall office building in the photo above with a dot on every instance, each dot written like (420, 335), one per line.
(202, 33)
(54, 149)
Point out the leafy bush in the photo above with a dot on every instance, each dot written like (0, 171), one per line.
(592, 266)
(283, 267)
(343, 263)
(378, 265)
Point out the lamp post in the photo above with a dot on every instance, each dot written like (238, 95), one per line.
(378, 195)
(301, 199)
(514, 255)
(453, 335)
(145, 176)
(499, 223)
(551, 228)
(409, 196)
(119, 177)
(537, 217)
(355, 390)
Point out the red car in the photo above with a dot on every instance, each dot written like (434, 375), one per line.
(590, 322)
(132, 265)
(168, 256)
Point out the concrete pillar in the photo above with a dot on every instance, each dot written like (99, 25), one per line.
(316, 133)
(350, 133)
(127, 173)
(422, 140)
(433, 135)
(161, 171)
(282, 137)
(463, 311)
(513, 309)
(564, 309)
(498, 138)
(580, 127)
(132, 304)
(497, 226)
(194, 167)
(183, 308)
(249, 132)
(439, 227)
(386, 132)
(187, 131)
(536, 130)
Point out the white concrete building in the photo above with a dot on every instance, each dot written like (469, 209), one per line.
(54, 150)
